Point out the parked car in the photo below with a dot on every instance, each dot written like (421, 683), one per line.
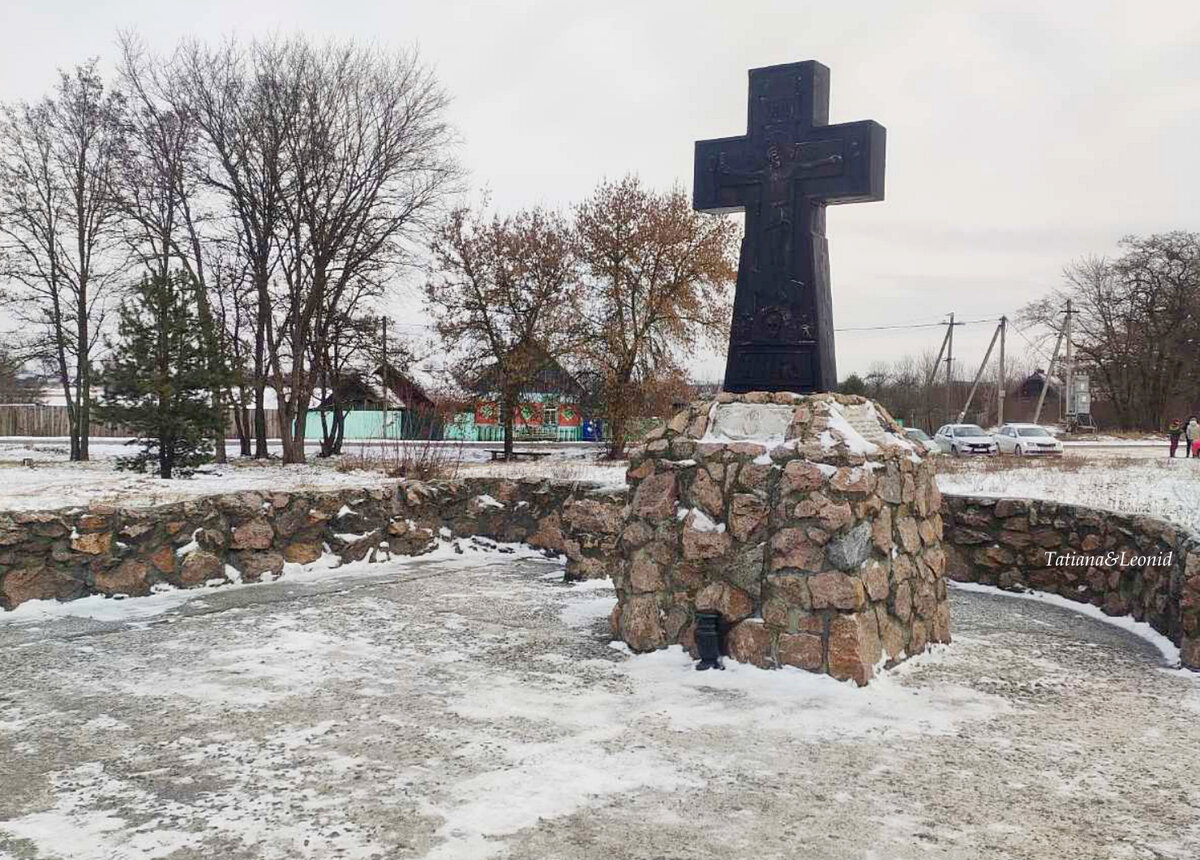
(922, 440)
(964, 439)
(1021, 439)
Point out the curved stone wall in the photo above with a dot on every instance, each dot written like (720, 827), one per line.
(1124, 564)
(1010, 543)
(71, 553)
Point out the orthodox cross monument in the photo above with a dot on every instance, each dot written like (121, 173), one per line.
(783, 172)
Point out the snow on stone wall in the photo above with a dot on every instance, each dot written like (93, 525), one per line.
(70, 553)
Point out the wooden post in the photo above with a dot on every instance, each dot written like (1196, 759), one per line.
(949, 365)
(1001, 383)
(978, 376)
(1037, 413)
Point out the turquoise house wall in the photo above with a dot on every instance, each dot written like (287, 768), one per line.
(364, 424)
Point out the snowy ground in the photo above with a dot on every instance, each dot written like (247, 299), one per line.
(53, 482)
(56, 485)
(1163, 488)
(1156, 486)
(473, 707)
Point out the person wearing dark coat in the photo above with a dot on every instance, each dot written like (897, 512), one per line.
(1173, 433)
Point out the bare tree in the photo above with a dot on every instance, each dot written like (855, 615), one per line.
(1137, 323)
(232, 95)
(658, 277)
(330, 160)
(507, 298)
(160, 196)
(368, 155)
(59, 225)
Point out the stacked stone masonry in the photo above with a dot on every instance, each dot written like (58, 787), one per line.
(1143, 567)
(807, 521)
(71, 553)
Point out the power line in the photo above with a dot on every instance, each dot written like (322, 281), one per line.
(1032, 345)
(889, 327)
(918, 325)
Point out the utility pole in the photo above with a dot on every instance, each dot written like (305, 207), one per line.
(1037, 414)
(978, 376)
(383, 375)
(1070, 364)
(949, 364)
(1000, 383)
(933, 369)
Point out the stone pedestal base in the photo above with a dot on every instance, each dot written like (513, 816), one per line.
(807, 521)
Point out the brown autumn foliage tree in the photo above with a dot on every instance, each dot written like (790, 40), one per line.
(658, 278)
(507, 299)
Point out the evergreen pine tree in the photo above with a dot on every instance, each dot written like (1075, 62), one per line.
(156, 380)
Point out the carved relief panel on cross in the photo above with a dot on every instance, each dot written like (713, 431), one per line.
(782, 173)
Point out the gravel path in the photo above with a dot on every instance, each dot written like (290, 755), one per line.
(475, 708)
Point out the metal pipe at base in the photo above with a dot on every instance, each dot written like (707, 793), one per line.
(708, 640)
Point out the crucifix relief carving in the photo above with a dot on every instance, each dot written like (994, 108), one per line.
(782, 173)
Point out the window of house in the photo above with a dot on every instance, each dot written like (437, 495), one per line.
(550, 415)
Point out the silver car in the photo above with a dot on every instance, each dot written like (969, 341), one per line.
(964, 439)
(1023, 439)
(921, 439)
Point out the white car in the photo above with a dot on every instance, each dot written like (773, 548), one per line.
(1022, 439)
(964, 439)
(921, 439)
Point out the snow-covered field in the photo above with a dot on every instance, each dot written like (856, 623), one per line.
(1162, 488)
(53, 482)
(56, 485)
(1159, 487)
(472, 707)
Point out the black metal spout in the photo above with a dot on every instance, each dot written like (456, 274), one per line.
(708, 640)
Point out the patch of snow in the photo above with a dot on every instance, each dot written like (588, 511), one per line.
(839, 426)
(1164, 489)
(585, 612)
(487, 501)
(189, 547)
(701, 522)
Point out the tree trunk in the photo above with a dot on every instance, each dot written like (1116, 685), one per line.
(82, 376)
(260, 383)
(339, 431)
(326, 433)
(297, 455)
(260, 422)
(244, 427)
(507, 410)
(219, 436)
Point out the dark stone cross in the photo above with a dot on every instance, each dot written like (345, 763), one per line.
(783, 172)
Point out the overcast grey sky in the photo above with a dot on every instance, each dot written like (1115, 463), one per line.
(1021, 135)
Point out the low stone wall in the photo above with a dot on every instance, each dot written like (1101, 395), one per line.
(1022, 543)
(71, 553)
